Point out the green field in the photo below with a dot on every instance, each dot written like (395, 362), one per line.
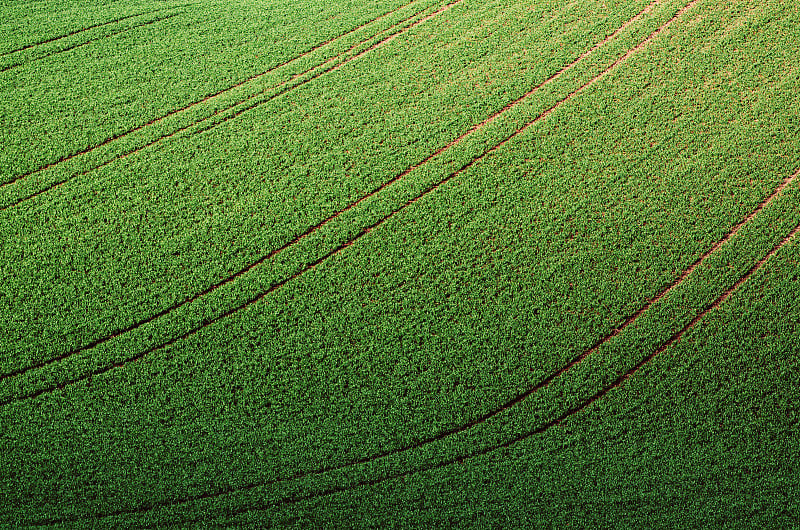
(430, 263)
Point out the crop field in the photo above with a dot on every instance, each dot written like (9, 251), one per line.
(399, 263)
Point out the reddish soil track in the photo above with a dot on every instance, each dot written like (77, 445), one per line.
(392, 37)
(327, 220)
(459, 459)
(75, 32)
(619, 381)
(189, 107)
(228, 279)
(546, 426)
(68, 48)
(539, 430)
(210, 124)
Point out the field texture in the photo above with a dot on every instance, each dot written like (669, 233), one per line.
(424, 263)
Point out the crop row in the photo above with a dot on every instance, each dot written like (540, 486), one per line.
(16, 272)
(123, 82)
(316, 227)
(561, 275)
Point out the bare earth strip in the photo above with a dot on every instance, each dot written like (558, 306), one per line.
(724, 296)
(352, 205)
(552, 423)
(74, 46)
(75, 32)
(246, 269)
(191, 106)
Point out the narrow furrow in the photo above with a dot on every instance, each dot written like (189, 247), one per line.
(192, 105)
(542, 428)
(342, 246)
(231, 278)
(75, 32)
(74, 46)
(507, 405)
(208, 122)
(335, 215)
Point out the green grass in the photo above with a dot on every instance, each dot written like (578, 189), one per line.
(259, 268)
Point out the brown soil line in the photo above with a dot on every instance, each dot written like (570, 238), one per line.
(391, 38)
(444, 434)
(209, 289)
(187, 107)
(69, 48)
(75, 32)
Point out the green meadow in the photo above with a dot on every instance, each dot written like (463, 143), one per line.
(405, 264)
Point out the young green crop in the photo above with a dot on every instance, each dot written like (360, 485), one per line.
(179, 214)
(370, 380)
(699, 428)
(134, 77)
